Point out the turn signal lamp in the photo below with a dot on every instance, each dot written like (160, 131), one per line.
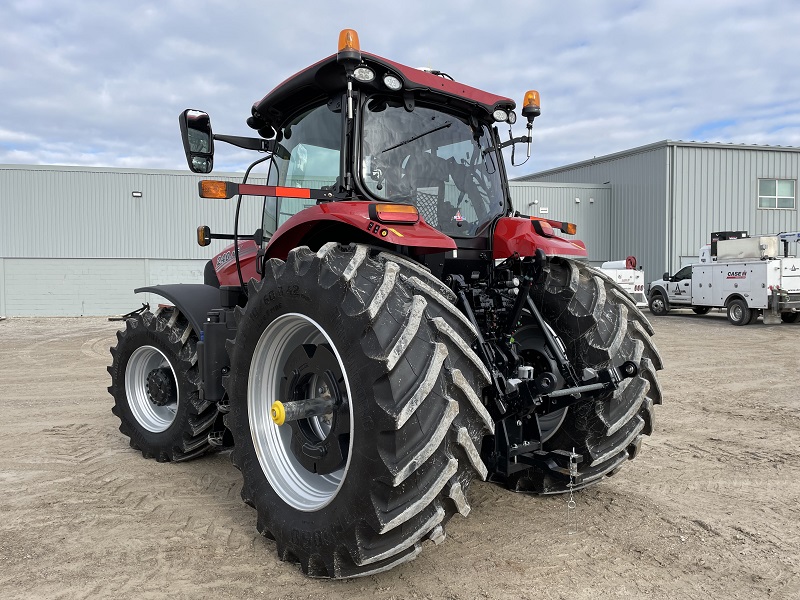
(210, 188)
(203, 235)
(569, 228)
(349, 47)
(531, 105)
(394, 213)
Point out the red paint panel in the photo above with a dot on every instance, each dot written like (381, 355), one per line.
(513, 234)
(421, 236)
(225, 263)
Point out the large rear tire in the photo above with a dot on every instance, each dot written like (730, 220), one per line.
(600, 327)
(155, 385)
(358, 490)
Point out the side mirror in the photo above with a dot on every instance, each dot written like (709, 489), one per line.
(665, 277)
(198, 141)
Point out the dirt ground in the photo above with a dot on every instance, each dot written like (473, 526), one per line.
(709, 509)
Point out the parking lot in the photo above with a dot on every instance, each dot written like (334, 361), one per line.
(709, 509)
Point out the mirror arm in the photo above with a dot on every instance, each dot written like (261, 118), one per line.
(247, 143)
(523, 139)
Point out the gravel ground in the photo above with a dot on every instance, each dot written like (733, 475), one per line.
(709, 509)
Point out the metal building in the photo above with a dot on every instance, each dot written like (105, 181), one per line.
(78, 240)
(666, 198)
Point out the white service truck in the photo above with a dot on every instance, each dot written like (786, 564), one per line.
(625, 274)
(747, 277)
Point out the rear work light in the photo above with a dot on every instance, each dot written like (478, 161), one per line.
(394, 213)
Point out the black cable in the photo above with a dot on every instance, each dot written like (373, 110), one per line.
(236, 222)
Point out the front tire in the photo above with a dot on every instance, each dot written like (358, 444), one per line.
(356, 491)
(155, 385)
(659, 305)
(791, 317)
(600, 327)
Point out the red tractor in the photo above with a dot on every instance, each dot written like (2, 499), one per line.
(394, 330)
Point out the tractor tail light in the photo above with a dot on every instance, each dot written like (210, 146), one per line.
(543, 227)
(394, 213)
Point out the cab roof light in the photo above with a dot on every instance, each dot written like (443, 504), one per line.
(349, 46)
(531, 105)
(394, 213)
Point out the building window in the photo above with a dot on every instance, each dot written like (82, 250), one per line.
(776, 193)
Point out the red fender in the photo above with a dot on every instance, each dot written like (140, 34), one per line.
(420, 236)
(516, 234)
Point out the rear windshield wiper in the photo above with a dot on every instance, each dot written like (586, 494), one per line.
(416, 137)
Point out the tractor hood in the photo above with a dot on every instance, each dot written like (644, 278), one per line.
(326, 79)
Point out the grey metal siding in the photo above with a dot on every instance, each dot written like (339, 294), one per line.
(2, 287)
(639, 209)
(81, 212)
(84, 287)
(591, 214)
(716, 189)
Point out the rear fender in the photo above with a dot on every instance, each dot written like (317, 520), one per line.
(517, 235)
(194, 300)
(349, 221)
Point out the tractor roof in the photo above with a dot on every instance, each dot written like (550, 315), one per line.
(326, 78)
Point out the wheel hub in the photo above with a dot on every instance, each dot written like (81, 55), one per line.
(161, 387)
(317, 442)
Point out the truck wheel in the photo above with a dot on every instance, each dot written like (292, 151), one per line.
(599, 327)
(155, 385)
(357, 490)
(701, 310)
(738, 312)
(659, 305)
(790, 317)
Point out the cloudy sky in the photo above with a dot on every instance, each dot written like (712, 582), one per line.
(101, 82)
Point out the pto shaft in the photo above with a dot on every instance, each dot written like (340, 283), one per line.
(300, 409)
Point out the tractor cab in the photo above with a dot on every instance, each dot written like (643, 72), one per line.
(356, 132)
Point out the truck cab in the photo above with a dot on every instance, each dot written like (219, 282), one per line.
(670, 290)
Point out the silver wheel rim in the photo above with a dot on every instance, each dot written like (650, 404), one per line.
(658, 305)
(149, 415)
(296, 486)
(736, 312)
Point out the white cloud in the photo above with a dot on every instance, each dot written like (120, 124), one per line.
(98, 83)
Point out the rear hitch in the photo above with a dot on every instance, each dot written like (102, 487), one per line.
(534, 395)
